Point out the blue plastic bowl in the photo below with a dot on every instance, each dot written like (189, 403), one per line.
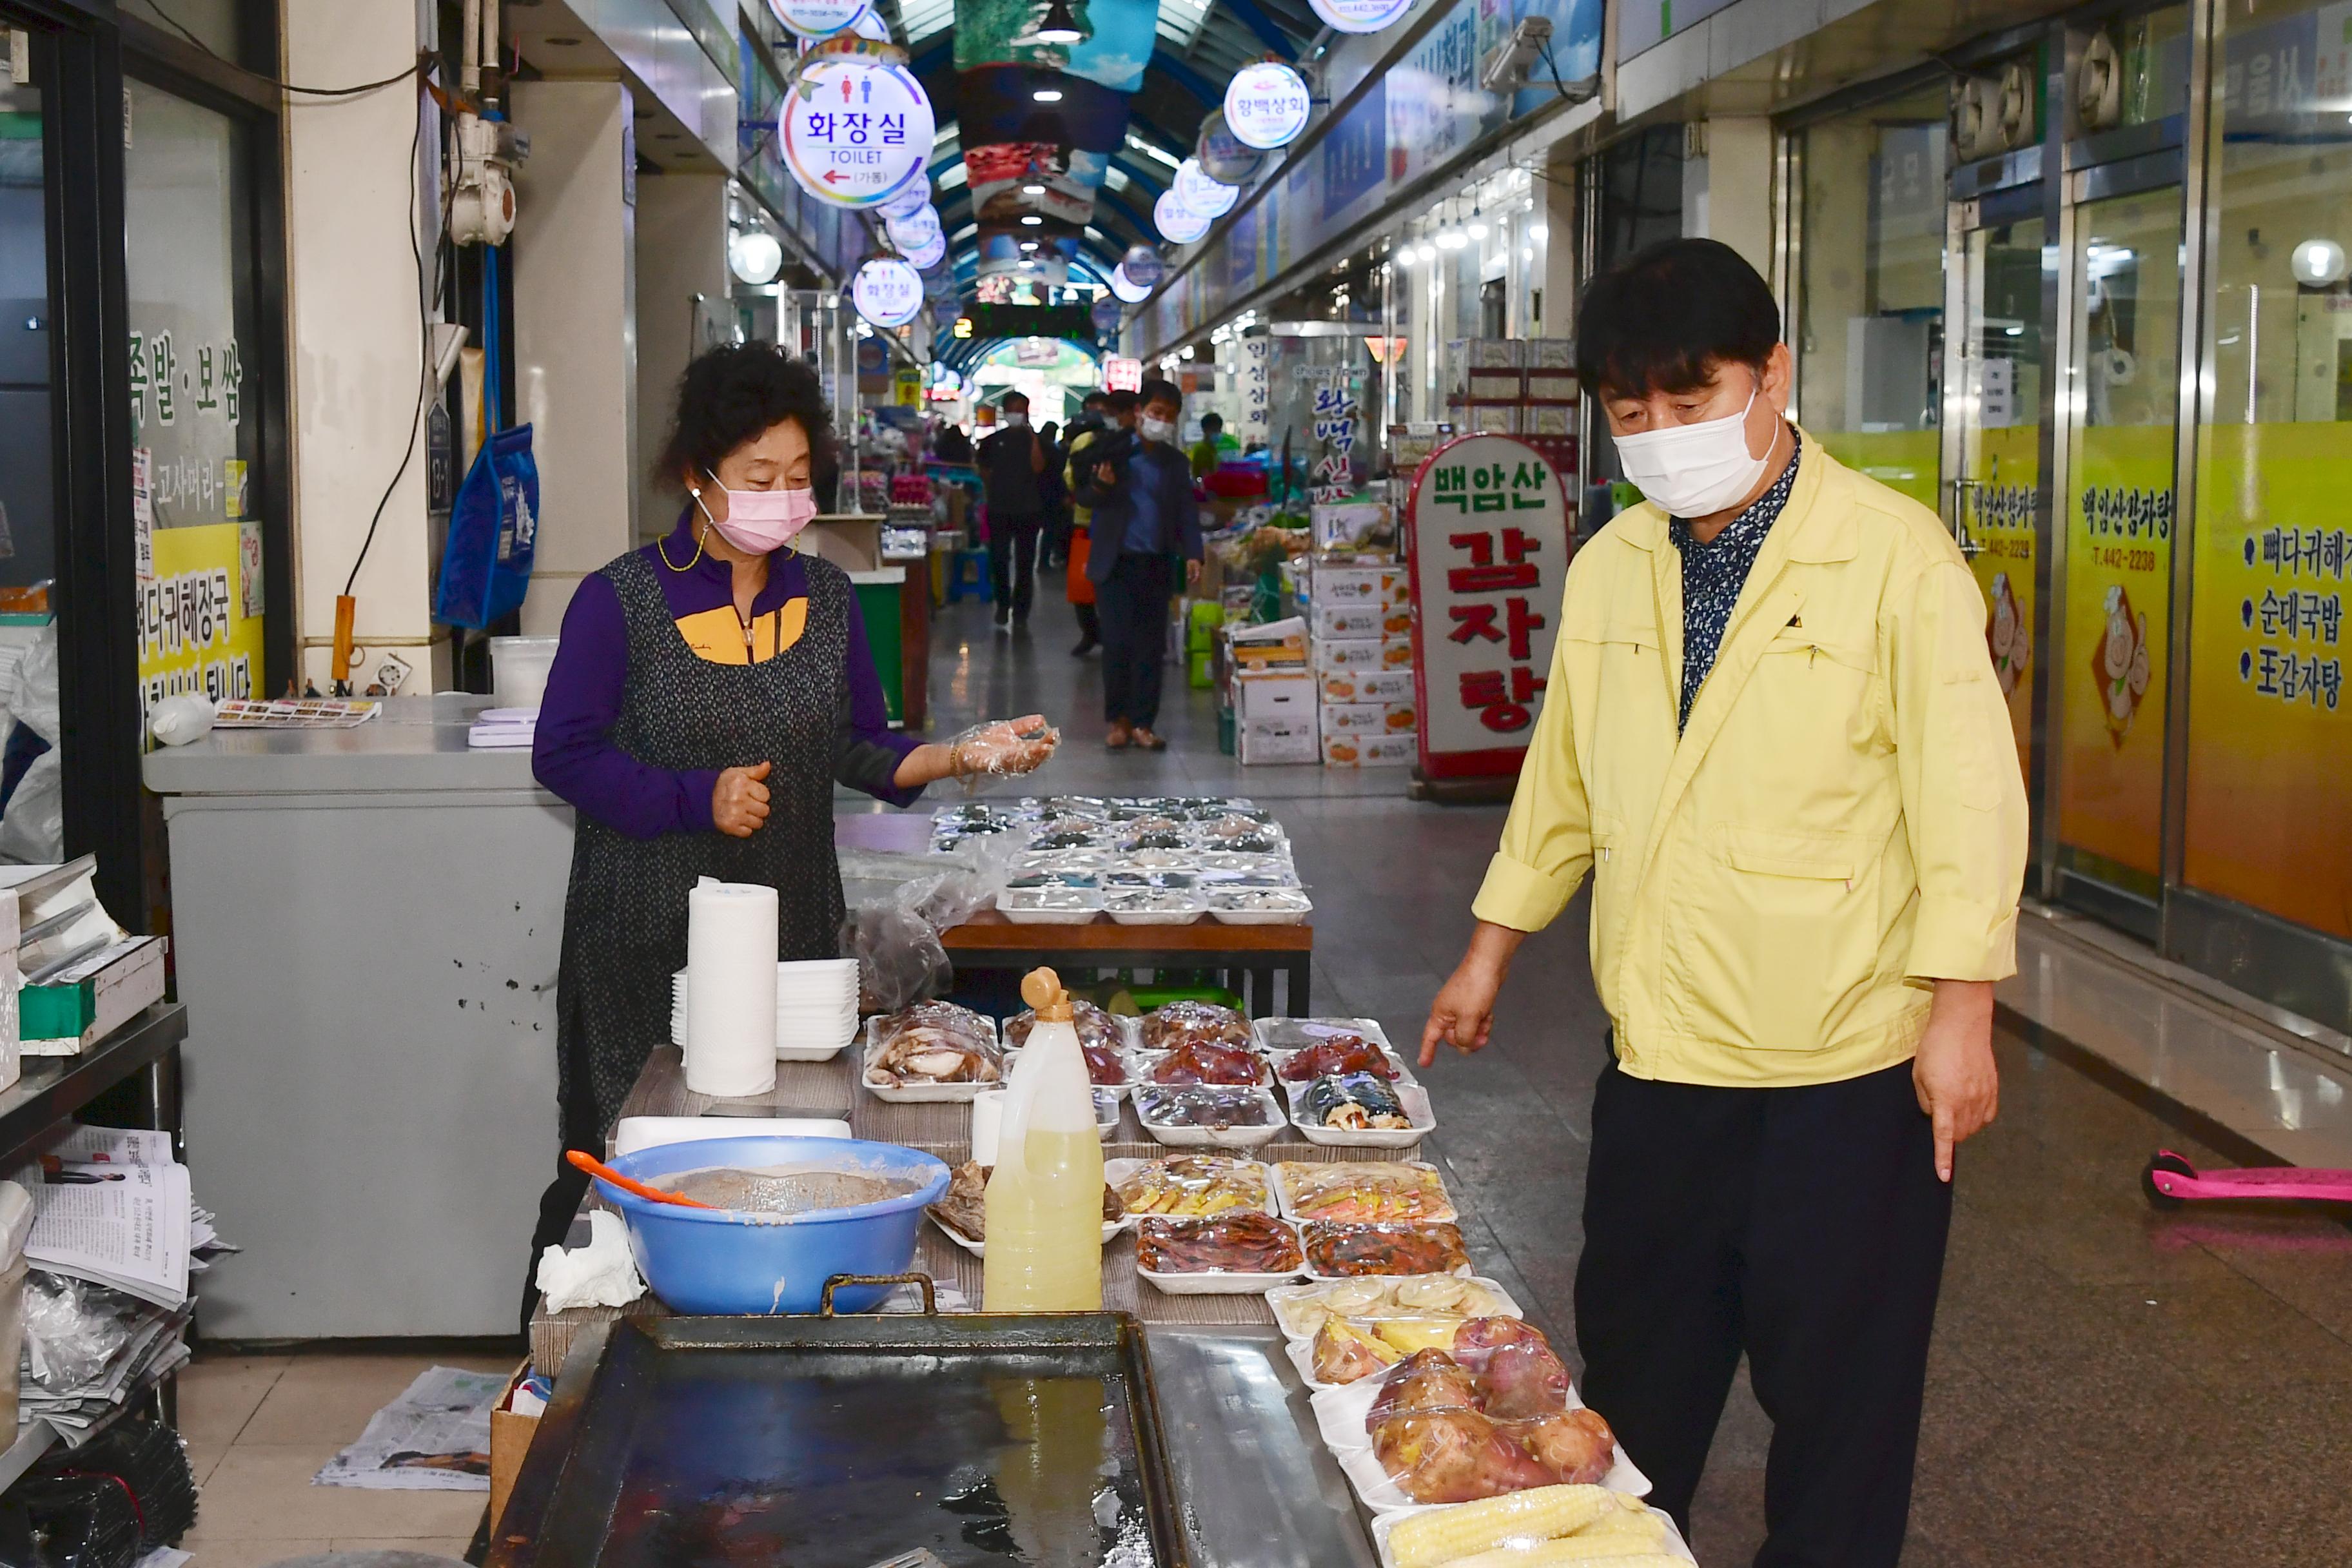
(719, 1263)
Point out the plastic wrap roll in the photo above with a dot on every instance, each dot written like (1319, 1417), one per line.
(730, 989)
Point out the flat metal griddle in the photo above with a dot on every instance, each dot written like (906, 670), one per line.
(836, 1442)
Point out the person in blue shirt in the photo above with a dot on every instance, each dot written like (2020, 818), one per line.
(1145, 522)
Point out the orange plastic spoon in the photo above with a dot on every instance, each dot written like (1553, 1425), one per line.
(596, 1167)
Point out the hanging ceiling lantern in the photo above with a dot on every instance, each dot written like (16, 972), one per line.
(1059, 25)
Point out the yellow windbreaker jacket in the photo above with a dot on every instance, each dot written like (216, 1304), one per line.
(1841, 822)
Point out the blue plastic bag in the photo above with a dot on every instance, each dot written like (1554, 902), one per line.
(486, 567)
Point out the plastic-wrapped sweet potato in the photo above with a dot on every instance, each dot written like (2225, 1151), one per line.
(1425, 1379)
(1454, 1455)
(1575, 1445)
(1518, 1374)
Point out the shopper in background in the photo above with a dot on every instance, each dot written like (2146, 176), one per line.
(951, 445)
(1145, 521)
(1053, 504)
(1204, 455)
(1805, 888)
(1105, 415)
(1011, 462)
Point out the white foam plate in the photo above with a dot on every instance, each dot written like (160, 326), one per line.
(1171, 917)
(1672, 1544)
(635, 1133)
(1110, 1230)
(1220, 1137)
(1289, 1210)
(1265, 1029)
(1293, 907)
(1214, 1283)
(1117, 1170)
(1412, 1095)
(1339, 1417)
(1279, 1298)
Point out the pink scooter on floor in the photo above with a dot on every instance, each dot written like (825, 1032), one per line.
(2171, 1180)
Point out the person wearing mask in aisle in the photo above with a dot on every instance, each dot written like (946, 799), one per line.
(1772, 735)
(1145, 523)
(1010, 463)
(709, 692)
(1054, 503)
(1204, 456)
(1106, 416)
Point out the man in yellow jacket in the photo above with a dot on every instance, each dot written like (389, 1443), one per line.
(1773, 736)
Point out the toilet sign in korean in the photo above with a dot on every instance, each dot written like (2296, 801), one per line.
(1491, 535)
(856, 129)
(887, 291)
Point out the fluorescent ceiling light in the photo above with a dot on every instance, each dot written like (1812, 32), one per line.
(1048, 95)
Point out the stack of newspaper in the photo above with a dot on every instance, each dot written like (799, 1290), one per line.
(139, 1342)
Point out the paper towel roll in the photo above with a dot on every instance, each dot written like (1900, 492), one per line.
(987, 1123)
(730, 989)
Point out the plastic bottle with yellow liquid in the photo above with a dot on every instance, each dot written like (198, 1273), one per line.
(1045, 1199)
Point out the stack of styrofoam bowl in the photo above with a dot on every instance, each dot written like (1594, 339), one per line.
(816, 1008)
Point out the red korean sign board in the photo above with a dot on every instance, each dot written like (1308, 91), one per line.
(1490, 526)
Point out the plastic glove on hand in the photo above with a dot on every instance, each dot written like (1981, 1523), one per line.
(1004, 748)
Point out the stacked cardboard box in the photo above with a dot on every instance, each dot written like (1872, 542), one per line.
(1361, 620)
(1512, 387)
(1273, 692)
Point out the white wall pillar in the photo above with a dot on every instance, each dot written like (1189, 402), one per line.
(681, 252)
(1555, 194)
(352, 285)
(1727, 192)
(575, 331)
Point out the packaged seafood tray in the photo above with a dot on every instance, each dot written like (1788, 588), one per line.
(1189, 1186)
(1260, 906)
(1239, 1254)
(1206, 1116)
(1085, 839)
(1336, 1055)
(1301, 1309)
(1203, 1062)
(1274, 865)
(1361, 1097)
(930, 1053)
(1349, 1251)
(1297, 1034)
(1670, 1542)
(1363, 1192)
(962, 1210)
(1173, 1023)
(1340, 1418)
(1104, 1039)
(1149, 907)
(1060, 905)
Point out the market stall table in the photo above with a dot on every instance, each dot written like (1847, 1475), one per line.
(1252, 953)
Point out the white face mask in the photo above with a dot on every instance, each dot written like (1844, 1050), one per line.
(1158, 430)
(1692, 470)
(1017, 421)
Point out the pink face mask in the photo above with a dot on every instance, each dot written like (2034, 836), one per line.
(760, 521)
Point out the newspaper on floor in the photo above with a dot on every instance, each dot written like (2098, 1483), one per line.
(434, 1437)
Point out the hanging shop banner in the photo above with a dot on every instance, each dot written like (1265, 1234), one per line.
(1491, 527)
(1210, 198)
(1222, 155)
(1257, 391)
(1106, 315)
(856, 129)
(2119, 538)
(909, 198)
(1361, 15)
(887, 291)
(930, 254)
(2270, 723)
(1266, 105)
(1053, 179)
(1125, 286)
(820, 18)
(1116, 49)
(915, 229)
(200, 614)
(1026, 253)
(1178, 223)
(1143, 266)
(1122, 374)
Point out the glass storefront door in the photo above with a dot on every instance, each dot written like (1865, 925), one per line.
(2118, 403)
(1995, 414)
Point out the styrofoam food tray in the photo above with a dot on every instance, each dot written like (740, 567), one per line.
(1213, 1283)
(1265, 1029)
(1174, 915)
(1220, 1137)
(1142, 1061)
(1117, 1170)
(1412, 1095)
(1451, 1216)
(1277, 1300)
(1339, 1418)
(1404, 1069)
(915, 1094)
(632, 1133)
(1110, 1230)
(1126, 1056)
(1037, 906)
(1672, 1543)
(1292, 908)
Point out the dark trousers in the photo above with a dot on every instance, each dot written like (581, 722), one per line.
(1089, 625)
(560, 1201)
(1804, 1226)
(1013, 559)
(1133, 604)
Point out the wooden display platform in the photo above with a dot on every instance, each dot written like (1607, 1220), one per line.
(1254, 955)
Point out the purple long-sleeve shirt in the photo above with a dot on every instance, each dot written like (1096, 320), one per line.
(573, 753)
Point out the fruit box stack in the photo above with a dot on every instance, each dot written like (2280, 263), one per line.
(1360, 633)
(1512, 387)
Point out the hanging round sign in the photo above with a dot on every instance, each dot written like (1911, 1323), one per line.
(887, 291)
(1222, 155)
(1210, 198)
(1178, 223)
(928, 254)
(1361, 15)
(1266, 105)
(1126, 287)
(1142, 265)
(818, 18)
(914, 194)
(856, 129)
(1106, 315)
(915, 229)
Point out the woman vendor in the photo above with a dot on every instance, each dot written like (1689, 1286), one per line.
(710, 690)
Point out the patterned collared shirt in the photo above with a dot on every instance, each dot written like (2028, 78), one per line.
(1714, 573)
